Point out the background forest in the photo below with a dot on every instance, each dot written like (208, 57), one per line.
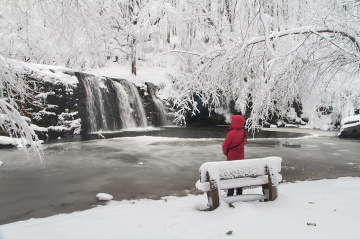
(262, 57)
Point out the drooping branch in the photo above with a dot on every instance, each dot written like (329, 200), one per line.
(307, 30)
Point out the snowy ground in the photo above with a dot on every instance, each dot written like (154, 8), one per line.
(310, 209)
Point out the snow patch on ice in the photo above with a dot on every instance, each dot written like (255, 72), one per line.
(104, 197)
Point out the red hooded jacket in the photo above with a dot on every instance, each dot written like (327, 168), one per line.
(234, 137)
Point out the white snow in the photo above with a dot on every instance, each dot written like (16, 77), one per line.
(38, 128)
(349, 122)
(353, 119)
(310, 209)
(48, 73)
(104, 197)
(349, 126)
(18, 142)
(145, 73)
(7, 140)
(157, 74)
(234, 169)
(1, 163)
(57, 128)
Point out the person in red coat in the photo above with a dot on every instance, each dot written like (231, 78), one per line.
(233, 146)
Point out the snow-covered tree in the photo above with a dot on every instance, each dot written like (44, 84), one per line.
(267, 55)
(262, 55)
(68, 33)
(138, 27)
(13, 92)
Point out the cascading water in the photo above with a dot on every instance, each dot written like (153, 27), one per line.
(163, 119)
(94, 104)
(131, 110)
(112, 104)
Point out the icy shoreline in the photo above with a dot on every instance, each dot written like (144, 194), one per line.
(316, 132)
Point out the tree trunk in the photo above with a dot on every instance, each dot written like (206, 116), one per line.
(133, 66)
(133, 55)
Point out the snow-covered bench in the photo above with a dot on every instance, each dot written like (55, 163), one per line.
(216, 176)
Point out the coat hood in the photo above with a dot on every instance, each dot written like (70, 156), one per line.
(237, 122)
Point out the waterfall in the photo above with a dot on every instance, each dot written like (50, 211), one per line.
(163, 118)
(95, 104)
(131, 109)
(112, 104)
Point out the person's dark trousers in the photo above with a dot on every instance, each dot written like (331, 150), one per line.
(230, 191)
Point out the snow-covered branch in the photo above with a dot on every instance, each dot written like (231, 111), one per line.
(280, 57)
(12, 90)
(309, 30)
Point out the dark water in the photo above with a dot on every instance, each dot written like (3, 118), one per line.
(178, 132)
(150, 164)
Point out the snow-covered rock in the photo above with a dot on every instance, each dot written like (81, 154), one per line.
(350, 120)
(350, 127)
(104, 197)
(38, 128)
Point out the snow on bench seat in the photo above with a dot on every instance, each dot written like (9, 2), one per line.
(215, 176)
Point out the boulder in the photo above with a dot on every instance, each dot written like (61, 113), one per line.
(350, 127)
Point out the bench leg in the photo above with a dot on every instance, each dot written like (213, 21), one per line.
(269, 190)
(213, 196)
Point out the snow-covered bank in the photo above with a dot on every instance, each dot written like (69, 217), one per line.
(310, 209)
(16, 142)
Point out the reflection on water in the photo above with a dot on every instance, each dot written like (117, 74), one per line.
(150, 164)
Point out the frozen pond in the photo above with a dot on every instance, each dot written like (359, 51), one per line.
(151, 164)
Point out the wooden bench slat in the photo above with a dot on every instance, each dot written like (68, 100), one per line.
(244, 198)
(242, 182)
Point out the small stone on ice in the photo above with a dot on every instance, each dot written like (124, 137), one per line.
(104, 197)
